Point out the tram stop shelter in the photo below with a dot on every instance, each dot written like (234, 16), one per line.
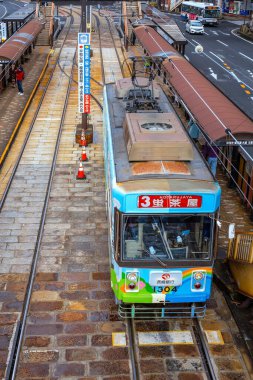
(17, 48)
(167, 28)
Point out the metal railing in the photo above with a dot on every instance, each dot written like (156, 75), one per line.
(156, 311)
(241, 247)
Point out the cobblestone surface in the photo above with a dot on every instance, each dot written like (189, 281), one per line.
(72, 314)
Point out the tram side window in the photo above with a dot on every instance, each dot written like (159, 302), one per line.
(117, 229)
(178, 237)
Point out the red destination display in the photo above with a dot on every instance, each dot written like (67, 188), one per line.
(169, 201)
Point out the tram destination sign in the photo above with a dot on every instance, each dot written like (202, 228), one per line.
(169, 201)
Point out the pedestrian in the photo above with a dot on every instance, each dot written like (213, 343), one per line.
(193, 131)
(210, 153)
(20, 75)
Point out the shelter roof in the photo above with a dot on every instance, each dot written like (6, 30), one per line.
(15, 46)
(155, 44)
(213, 111)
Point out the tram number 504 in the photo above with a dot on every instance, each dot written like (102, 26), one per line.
(166, 289)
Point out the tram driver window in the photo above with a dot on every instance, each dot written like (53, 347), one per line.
(177, 237)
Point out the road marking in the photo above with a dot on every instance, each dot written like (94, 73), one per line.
(207, 33)
(188, 59)
(164, 338)
(214, 337)
(212, 73)
(246, 56)
(215, 33)
(214, 76)
(247, 92)
(235, 35)
(217, 63)
(242, 85)
(217, 56)
(5, 10)
(225, 34)
(119, 339)
(221, 42)
(235, 76)
(17, 5)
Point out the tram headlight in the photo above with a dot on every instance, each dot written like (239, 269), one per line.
(132, 276)
(198, 276)
(132, 281)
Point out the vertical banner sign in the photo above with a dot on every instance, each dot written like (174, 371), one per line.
(84, 72)
(3, 32)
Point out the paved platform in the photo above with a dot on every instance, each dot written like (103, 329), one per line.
(12, 104)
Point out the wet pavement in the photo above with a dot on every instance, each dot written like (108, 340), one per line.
(72, 315)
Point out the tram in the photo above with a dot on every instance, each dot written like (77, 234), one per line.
(162, 201)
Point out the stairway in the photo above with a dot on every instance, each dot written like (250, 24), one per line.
(130, 10)
(46, 14)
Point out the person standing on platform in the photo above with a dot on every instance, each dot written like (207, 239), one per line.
(210, 153)
(20, 76)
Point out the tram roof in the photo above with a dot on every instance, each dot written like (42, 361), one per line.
(135, 171)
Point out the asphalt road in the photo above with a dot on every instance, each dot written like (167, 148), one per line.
(7, 7)
(227, 61)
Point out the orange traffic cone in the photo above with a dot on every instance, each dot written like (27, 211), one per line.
(83, 141)
(80, 173)
(84, 155)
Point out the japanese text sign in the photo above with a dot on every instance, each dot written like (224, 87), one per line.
(84, 72)
(169, 201)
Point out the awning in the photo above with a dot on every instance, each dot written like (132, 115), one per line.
(152, 42)
(213, 111)
(16, 45)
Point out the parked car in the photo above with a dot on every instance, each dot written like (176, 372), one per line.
(194, 26)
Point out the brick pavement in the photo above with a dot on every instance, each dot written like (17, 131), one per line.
(232, 210)
(12, 104)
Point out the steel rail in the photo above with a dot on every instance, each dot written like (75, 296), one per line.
(204, 352)
(133, 349)
(15, 167)
(100, 46)
(14, 361)
(114, 44)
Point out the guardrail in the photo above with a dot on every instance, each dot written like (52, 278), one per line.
(241, 247)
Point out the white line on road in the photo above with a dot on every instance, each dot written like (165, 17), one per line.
(17, 5)
(215, 33)
(221, 42)
(222, 67)
(225, 34)
(236, 35)
(217, 56)
(2, 16)
(246, 56)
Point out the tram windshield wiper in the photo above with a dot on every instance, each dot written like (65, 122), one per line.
(151, 253)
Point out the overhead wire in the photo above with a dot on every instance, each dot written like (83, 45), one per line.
(203, 132)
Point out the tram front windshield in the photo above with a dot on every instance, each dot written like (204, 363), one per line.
(179, 237)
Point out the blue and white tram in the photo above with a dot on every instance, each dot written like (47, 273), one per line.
(162, 202)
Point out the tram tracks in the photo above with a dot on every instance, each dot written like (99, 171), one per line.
(55, 81)
(203, 364)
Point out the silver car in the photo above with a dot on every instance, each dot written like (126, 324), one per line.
(194, 26)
